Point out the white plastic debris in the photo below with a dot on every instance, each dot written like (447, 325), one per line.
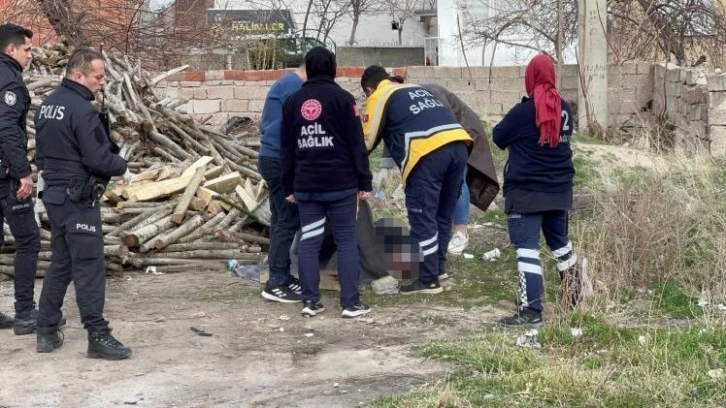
(720, 307)
(152, 270)
(282, 329)
(285, 317)
(468, 256)
(492, 255)
(576, 332)
(528, 339)
(309, 334)
(717, 373)
(336, 385)
(702, 302)
(643, 340)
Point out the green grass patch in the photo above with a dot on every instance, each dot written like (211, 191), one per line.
(607, 366)
(671, 301)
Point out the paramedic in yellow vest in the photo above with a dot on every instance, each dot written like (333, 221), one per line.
(431, 148)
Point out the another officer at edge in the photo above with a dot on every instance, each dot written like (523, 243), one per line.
(16, 184)
(78, 158)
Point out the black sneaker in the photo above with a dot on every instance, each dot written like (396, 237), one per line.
(282, 294)
(312, 308)
(6, 321)
(49, 339)
(419, 287)
(103, 345)
(525, 317)
(354, 311)
(294, 286)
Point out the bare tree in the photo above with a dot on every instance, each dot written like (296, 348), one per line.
(636, 28)
(401, 10)
(357, 9)
(328, 12)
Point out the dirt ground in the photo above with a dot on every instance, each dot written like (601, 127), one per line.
(261, 354)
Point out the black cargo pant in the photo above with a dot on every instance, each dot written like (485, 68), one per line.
(77, 244)
(21, 219)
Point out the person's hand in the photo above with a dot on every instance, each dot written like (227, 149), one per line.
(26, 188)
(290, 199)
(364, 195)
(127, 176)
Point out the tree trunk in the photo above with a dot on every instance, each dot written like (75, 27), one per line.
(669, 41)
(356, 17)
(64, 21)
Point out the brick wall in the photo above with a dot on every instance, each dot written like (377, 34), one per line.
(695, 103)
(698, 108)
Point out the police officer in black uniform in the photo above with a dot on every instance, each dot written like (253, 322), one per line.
(16, 184)
(78, 158)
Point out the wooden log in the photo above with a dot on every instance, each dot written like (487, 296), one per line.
(167, 74)
(166, 142)
(254, 238)
(142, 235)
(162, 212)
(159, 189)
(172, 237)
(207, 228)
(188, 138)
(201, 162)
(161, 152)
(229, 218)
(206, 195)
(181, 208)
(202, 246)
(224, 184)
(247, 198)
(197, 204)
(206, 254)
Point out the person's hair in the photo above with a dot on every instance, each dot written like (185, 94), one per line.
(13, 34)
(81, 60)
(372, 76)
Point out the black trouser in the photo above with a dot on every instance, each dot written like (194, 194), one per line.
(21, 219)
(77, 244)
(342, 215)
(432, 190)
(284, 224)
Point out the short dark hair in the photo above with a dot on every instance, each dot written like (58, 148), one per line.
(81, 60)
(372, 76)
(13, 34)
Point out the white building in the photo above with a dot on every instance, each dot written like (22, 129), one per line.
(476, 54)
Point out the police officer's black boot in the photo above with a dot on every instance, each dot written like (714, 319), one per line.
(25, 323)
(101, 344)
(6, 321)
(49, 339)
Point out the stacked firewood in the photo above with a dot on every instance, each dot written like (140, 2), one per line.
(196, 199)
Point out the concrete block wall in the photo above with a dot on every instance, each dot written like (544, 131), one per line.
(695, 103)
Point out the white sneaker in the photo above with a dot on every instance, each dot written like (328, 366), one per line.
(458, 243)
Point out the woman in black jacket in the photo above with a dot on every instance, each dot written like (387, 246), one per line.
(325, 171)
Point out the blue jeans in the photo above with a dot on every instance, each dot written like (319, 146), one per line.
(461, 211)
(342, 215)
(524, 232)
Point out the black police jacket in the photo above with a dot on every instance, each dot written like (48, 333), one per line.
(321, 140)
(14, 105)
(71, 142)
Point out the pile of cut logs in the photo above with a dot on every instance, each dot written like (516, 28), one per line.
(196, 199)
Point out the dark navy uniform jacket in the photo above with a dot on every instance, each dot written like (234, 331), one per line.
(322, 146)
(536, 178)
(14, 105)
(71, 142)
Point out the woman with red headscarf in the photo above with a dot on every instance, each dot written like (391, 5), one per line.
(538, 187)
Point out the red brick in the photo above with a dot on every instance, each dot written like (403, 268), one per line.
(349, 72)
(235, 75)
(195, 76)
(400, 71)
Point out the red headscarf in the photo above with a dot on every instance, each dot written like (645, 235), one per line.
(539, 79)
